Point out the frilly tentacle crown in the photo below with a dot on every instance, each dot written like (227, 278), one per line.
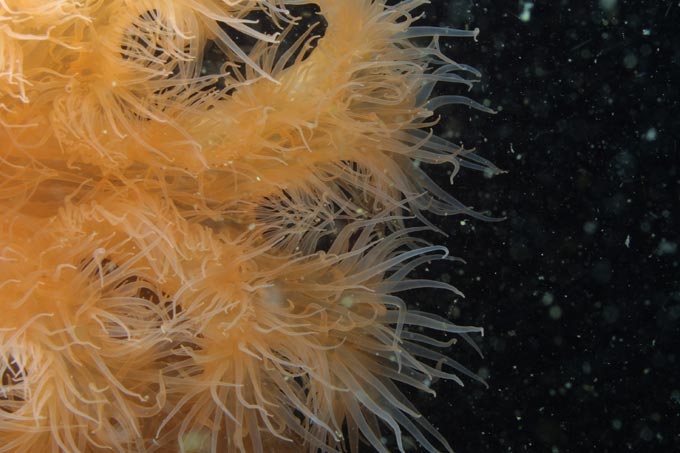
(203, 231)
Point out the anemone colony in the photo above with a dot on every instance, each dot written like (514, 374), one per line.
(203, 230)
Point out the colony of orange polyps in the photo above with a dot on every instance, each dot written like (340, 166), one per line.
(203, 235)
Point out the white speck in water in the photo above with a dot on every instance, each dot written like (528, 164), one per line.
(525, 15)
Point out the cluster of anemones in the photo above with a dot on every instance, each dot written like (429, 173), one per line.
(202, 224)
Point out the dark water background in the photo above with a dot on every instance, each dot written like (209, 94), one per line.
(579, 288)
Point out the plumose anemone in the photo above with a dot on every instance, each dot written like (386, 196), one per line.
(208, 212)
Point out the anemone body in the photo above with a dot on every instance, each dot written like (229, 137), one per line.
(202, 224)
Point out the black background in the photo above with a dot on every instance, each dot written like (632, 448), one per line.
(578, 288)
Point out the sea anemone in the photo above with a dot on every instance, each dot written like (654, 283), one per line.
(208, 210)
